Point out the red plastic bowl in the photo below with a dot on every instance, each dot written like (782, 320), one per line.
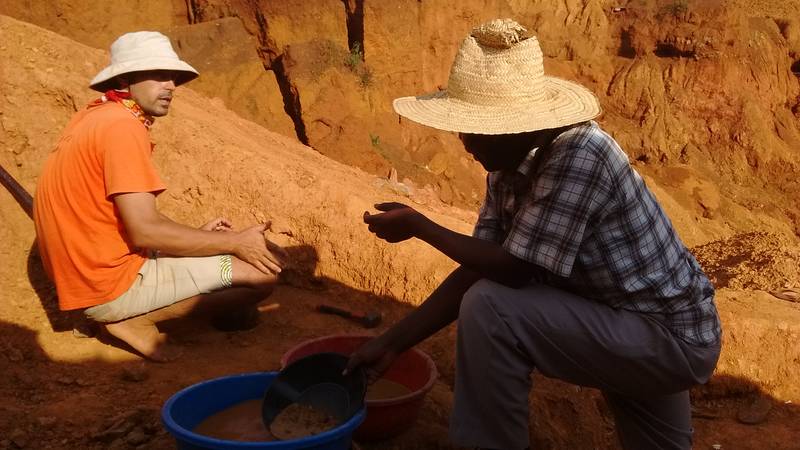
(385, 417)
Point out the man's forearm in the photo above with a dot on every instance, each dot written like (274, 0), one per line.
(170, 237)
(487, 258)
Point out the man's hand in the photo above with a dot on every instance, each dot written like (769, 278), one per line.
(396, 223)
(374, 356)
(253, 248)
(218, 224)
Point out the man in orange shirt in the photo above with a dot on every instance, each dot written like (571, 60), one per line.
(99, 233)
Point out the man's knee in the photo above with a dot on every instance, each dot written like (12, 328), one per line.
(258, 287)
(264, 286)
(249, 276)
(476, 303)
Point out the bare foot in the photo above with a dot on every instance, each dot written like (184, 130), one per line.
(143, 335)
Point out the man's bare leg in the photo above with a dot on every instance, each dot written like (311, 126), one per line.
(250, 287)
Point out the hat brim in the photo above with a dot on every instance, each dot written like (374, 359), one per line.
(104, 80)
(564, 103)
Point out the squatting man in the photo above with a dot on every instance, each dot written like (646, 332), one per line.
(112, 255)
(573, 269)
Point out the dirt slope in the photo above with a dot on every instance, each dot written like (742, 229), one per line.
(702, 85)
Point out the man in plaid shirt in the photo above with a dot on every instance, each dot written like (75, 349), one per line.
(573, 268)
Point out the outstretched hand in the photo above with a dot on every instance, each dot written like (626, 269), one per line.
(396, 223)
(218, 224)
(374, 357)
(254, 248)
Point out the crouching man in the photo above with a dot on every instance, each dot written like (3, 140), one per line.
(103, 241)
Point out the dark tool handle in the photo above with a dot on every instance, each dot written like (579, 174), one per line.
(17, 191)
(334, 310)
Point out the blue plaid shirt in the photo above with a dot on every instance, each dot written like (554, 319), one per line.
(579, 211)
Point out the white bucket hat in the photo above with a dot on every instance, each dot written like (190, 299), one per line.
(497, 85)
(139, 51)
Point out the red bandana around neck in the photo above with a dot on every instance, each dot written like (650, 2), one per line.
(124, 99)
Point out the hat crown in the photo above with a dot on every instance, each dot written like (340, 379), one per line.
(498, 65)
(491, 76)
(142, 51)
(140, 45)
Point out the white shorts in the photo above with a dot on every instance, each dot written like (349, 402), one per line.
(163, 281)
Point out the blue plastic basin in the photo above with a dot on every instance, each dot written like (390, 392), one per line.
(187, 408)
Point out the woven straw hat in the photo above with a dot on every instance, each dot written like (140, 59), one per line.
(497, 85)
(138, 51)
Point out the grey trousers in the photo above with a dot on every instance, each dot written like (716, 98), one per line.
(504, 334)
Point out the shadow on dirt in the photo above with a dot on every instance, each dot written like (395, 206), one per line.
(96, 404)
(46, 291)
(101, 402)
(55, 404)
(80, 393)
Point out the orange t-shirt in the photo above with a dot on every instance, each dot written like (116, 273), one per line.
(103, 151)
